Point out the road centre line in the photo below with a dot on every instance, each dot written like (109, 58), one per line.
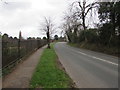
(95, 57)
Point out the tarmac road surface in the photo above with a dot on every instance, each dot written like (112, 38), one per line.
(88, 69)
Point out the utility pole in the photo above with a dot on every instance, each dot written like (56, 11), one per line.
(19, 40)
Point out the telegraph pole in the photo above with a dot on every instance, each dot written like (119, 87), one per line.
(19, 40)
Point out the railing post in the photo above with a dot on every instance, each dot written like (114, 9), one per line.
(0, 51)
(0, 60)
(19, 48)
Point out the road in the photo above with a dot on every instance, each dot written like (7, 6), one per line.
(88, 69)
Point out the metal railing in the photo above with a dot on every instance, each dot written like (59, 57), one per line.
(12, 53)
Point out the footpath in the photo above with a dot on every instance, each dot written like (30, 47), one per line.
(22, 74)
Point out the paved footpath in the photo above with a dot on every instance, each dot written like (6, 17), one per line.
(21, 76)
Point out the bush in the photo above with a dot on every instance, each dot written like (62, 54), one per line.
(90, 35)
(114, 41)
(74, 38)
(105, 33)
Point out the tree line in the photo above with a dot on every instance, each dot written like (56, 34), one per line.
(13, 48)
(106, 32)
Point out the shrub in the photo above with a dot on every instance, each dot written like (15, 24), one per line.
(90, 35)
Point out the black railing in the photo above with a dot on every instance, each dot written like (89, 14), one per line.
(14, 50)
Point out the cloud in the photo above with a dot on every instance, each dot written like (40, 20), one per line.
(26, 15)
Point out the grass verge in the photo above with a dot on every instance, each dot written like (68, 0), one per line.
(48, 74)
(103, 49)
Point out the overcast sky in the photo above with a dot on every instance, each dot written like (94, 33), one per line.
(27, 15)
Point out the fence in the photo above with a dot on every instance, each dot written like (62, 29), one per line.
(13, 50)
(0, 60)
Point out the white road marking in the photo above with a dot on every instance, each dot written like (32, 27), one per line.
(82, 53)
(105, 61)
(96, 58)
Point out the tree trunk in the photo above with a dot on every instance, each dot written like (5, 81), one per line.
(48, 45)
(83, 19)
(48, 39)
(84, 27)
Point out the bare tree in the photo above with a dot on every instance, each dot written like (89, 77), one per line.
(82, 9)
(70, 24)
(48, 28)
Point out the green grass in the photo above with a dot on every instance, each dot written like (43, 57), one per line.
(48, 74)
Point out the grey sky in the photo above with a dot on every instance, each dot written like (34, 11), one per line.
(26, 15)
